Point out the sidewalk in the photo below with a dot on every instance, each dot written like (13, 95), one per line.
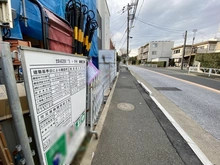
(138, 136)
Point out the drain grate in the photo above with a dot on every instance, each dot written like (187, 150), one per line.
(167, 89)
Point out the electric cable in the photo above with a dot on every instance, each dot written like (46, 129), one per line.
(160, 28)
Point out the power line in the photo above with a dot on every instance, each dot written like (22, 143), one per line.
(123, 43)
(122, 37)
(118, 29)
(204, 34)
(139, 11)
(134, 3)
(154, 35)
(161, 28)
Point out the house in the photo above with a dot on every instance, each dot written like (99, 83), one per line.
(177, 53)
(210, 46)
(141, 55)
(156, 51)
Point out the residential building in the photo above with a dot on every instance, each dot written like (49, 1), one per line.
(210, 46)
(177, 53)
(156, 51)
(140, 53)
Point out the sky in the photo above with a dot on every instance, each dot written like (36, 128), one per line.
(164, 20)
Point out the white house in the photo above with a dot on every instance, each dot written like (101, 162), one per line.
(157, 51)
(177, 53)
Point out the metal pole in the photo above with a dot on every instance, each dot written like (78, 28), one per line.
(194, 35)
(184, 47)
(24, 13)
(128, 8)
(14, 101)
(91, 112)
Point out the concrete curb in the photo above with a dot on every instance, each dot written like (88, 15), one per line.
(90, 151)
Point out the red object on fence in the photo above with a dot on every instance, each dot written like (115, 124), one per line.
(60, 34)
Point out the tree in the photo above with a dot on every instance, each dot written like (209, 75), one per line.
(133, 60)
(123, 53)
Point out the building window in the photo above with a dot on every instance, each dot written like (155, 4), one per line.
(154, 52)
(201, 47)
(154, 45)
(212, 47)
(176, 51)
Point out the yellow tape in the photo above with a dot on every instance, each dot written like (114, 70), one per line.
(76, 32)
(88, 46)
(80, 35)
(86, 41)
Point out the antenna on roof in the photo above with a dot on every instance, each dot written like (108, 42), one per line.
(217, 36)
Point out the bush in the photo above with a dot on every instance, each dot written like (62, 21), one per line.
(209, 60)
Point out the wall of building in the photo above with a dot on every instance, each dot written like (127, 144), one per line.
(218, 47)
(145, 52)
(163, 49)
(104, 29)
(179, 55)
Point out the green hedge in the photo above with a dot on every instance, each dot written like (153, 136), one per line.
(209, 60)
(159, 64)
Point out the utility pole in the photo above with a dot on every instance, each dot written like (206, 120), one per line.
(194, 35)
(128, 8)
(184, 47)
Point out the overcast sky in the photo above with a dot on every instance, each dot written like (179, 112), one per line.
(162, 20)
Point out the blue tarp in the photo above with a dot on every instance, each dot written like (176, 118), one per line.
(34, 19)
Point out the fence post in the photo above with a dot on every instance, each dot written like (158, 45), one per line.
(109, 75)
(14, 101)
(189, 70)
(91, 111)
(210, 71)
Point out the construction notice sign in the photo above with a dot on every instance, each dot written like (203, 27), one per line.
(56, 90)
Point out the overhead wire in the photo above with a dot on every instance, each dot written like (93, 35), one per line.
(204, 34)
(118, 29)
(123, 37)
(138, 12)
(114, 18)
(134, 4)
(161, 28)
(123, 43)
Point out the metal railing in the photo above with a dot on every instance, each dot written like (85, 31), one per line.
(98, 87)
(209, 71)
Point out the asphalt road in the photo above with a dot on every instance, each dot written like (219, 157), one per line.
(202, 79)
(201, 103)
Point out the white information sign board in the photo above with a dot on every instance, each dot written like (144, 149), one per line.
(107, 56)
(56, 89)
